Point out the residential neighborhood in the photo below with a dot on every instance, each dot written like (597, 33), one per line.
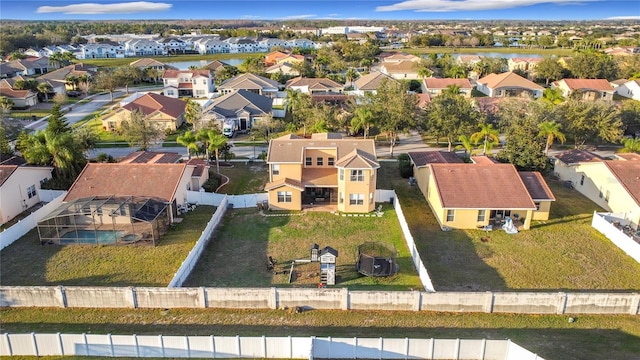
(207, 172)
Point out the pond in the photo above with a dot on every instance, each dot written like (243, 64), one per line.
(184, 65)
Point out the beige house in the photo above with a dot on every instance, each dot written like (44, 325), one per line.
(401, 70)
(508, 84)
(470, 196)
(166, 112)
(435, 86)
(612, 184)
(19, 186)
(313, 86)
(325, 170)
(589, 89)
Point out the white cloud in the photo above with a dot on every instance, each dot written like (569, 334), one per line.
(95, 9)
(624, 17)
(296, 17)
(468, 5)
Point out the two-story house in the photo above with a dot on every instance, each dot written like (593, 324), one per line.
(188, 83)
(19, 186)
(325, 170)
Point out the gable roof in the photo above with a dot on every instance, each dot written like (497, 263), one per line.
(372, 81)
(508, 79)
(249, 81)
(152, 180)
(313, 83)
(588, 84)
(290, 149)
(150, 157)
(357, 159)
(174, 74)
(229, 105)
(483, 160)
(495, 186)
(146, 62)
(284, 182)
(152, 102)
(402, 67)
(442, 83)
(16, 94)
(575, 156)
(536, 186)
(73, 69)
(423, 158)
(6, 171)
(628, 174)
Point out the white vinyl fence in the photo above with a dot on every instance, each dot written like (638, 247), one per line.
(192, 258)
(25, 225)
(603, 223)
(258, 347)
(234, 201)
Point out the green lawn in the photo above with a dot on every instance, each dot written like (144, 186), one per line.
(27, 263)
(550, 336)
(238, 255)
(114, 62)
(563, 253)
(501, 50)
(244, 178)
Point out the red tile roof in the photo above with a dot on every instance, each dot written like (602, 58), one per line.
(495, 187)
(628, 174)
(151, 180)
(423, 158)
(536, 186)
(151, 102)
(588, 84)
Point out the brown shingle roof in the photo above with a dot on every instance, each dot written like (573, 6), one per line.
(402, 67)
(289, 149)
(372, 81)
(628, 174)
(423, 158)
(282, 182)
(151, 102)
(442, 83)
(172, 74)
(496, 186)
(152, 180)
(536, 186)
(16, 94)
(6, 171)
(508, 79)
(588, 84)
(575, 156)
(313, 83)
(358, 159)
(146, 62)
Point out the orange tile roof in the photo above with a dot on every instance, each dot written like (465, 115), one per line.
(495, 186)
(508, 79)
(151, 180)
(588, 84)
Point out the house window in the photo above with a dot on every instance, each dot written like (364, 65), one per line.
(357, 175)
(31, 191)
(284, 196)
(341, 172)
(200, 92)
(319, 161)
(307, 161)
(204, 81)
(582, 180)
(482, 214)
(537, 205)
(275, 169)
(356, 199)
(330, 161)
(43, 181)
(170, 92)
(451, 215)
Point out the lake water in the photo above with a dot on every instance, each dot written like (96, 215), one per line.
(498, 54)
(184, 65)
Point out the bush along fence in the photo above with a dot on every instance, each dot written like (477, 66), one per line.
(604, 223)
(161, 346)
(312, 298)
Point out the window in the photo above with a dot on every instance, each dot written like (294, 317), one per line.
(43, 181)
(307, 161)
(169, 92)
(275, 169)
(284, 196)
(537, 205)
(319, 161)
(356, 199)
(357, 175)
(31, 191)
(482, 214)
(582, 180)
(451, 215)
(204, 81)
(330, 161)
(341, 174)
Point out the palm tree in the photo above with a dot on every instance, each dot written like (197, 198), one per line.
(350, 75)
(465, 144)
(424, 72)
(551, 130)
(44, 88)
(552, 96)
(5, 105)
(488, 135)
(452, 89)
(212, 140)
(72, 81)
(363, 119)
(631, 145)
(59, 150)
(190, 141)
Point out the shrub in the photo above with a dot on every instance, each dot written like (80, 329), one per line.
(404, 163)
(214, 182)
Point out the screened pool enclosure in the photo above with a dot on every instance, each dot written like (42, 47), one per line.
(106, 221)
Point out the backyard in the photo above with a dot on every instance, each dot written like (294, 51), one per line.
(563, 253)
(27, 263)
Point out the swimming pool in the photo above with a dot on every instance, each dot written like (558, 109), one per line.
(91, 237)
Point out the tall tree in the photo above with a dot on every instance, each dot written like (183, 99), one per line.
(551, 130)
(591, 64)
(363, 119)
(105, 80)
(193, 114)
(140, 132)
(57, 122)
(188, 140)
(488, 135)
(631, 145)
(5, 106)
(591, 121)
(44, 88)
(549, 69)
(466, 144)
(128, 75)
(5, 148)
(213, 141)
(450, 116)
(552, 96)
(395, 110)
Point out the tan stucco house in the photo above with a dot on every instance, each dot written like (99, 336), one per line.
(165, 112)
(508, 84)
(323, 170)
(470, 196)
(20, 186)
(589, 89)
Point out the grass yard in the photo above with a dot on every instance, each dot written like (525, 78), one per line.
(563, 253)
(237, 256)
(27, 263)
(244, 178)
(550, 336)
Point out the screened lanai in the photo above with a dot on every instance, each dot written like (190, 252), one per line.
(107, 220)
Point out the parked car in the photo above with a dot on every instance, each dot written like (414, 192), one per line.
(73, 93)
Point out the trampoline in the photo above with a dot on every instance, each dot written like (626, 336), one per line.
(377, 259)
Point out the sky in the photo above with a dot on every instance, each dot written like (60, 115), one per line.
(321, 9)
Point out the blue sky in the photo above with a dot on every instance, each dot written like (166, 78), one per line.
(320, 9)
